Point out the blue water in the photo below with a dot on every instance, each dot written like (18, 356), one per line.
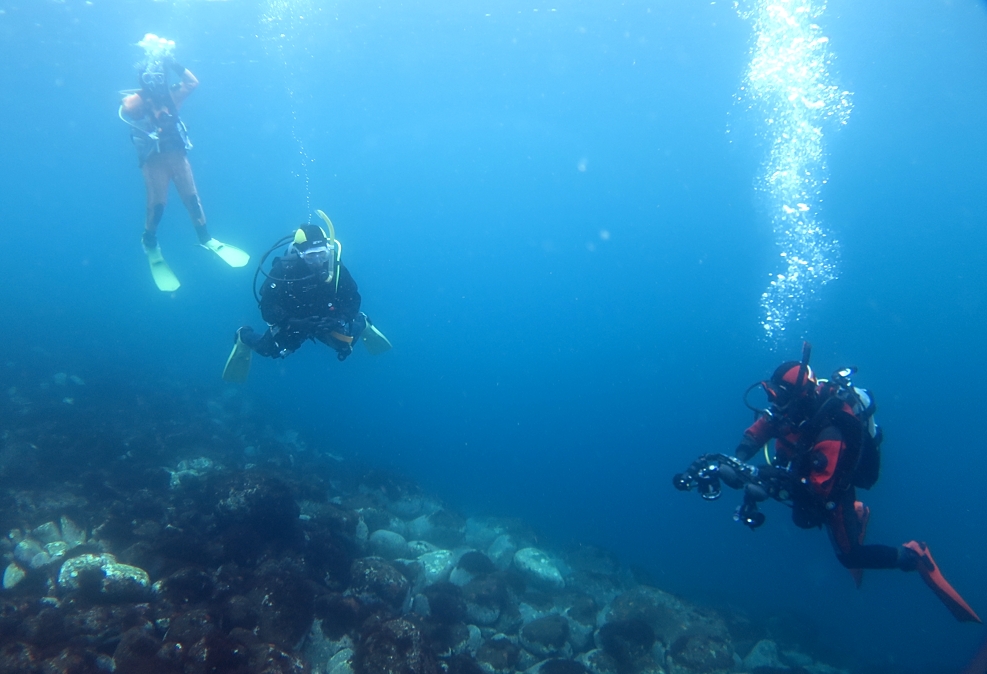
(565, 339)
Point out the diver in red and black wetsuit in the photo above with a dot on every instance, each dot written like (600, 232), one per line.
(826, 439)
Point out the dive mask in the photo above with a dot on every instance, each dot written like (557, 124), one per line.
(316, 256)
(153, 79)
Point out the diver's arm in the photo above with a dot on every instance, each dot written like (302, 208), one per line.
(186, 86)
(348, 299)
(273, 297)
(272, 308)
(754, 438)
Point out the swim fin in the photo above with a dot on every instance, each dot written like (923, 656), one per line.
(863, 516)
(231, 255)
(162, 274)
(947, 595)
(238, 364)
(374, 340)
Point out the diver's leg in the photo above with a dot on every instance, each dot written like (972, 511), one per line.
(156, 183)
(358, 325)
(185, 184)
(340, 336)
(274, 343)
(277, 342)
(845, 526)
(263, 345)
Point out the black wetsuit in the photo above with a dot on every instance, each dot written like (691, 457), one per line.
(299, 305)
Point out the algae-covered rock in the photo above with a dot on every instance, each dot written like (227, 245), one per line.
(501, 551)
(702, 653)
(498, 655)
(12, 576)
(376, 580)
(388, 544)
(72, 534)
(764, 654)
(598, 662)
(538, 569)
(341, 662)
(437, 566)
(27, 550)
(47, 533)
(419, 548)
(558, 666)
(102, 574)
(548, 636)
(56, 549)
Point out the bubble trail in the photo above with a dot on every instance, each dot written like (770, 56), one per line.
(789, 82)
(281, 21)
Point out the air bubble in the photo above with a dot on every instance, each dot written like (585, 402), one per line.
(789, 82)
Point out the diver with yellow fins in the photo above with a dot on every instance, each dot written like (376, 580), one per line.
(162, 145)
(308, 294)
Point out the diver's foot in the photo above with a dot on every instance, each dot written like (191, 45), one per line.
(914, 556)
(247, 336)
(202, 232)
(231, 255)
(149, 241)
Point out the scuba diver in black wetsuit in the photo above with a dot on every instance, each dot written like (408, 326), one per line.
(308, 294)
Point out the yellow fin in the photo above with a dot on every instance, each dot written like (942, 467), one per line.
(162, 274)
(238, 364)
(375, 341)
(231, 255)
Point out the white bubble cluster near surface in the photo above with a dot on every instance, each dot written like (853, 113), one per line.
(156, 48)
(789, 81)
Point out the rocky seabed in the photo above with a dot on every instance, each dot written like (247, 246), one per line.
(256, 553)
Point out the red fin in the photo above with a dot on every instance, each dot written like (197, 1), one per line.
(947, 595)
(863, 516)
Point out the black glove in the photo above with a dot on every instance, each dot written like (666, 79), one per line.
(746, 449)
(174, 65)
(778, 482)
(775, 473)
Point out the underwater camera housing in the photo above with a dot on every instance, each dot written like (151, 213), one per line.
(710, 471)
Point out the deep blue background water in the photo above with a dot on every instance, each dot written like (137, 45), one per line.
(540, 370)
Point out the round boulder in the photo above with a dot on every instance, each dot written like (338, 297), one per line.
(389, 545)
(538, 569)
(103, 575)
(375, 580)
(498, 655)
(546, 637)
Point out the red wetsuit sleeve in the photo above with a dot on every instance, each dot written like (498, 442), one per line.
(754, 438)
(760, 431)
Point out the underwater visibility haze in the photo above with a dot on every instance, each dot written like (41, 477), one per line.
(585, 227)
